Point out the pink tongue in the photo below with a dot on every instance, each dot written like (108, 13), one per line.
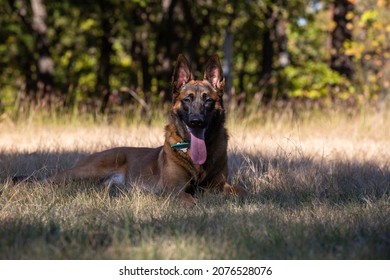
(198, 150)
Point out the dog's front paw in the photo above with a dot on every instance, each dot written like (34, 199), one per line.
(235, 190)
(187, 198)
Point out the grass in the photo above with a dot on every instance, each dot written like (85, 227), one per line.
(319, 185)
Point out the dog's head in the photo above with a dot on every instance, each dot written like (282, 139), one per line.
(198, 103)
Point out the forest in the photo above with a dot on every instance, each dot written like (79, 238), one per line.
(307, 100)
(96, 56)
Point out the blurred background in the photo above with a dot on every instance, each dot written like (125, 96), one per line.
(109, 55)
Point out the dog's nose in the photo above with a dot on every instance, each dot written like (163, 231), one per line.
(197, 120)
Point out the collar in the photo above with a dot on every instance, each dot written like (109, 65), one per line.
(181, 146)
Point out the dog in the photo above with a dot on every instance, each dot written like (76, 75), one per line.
(194, 155)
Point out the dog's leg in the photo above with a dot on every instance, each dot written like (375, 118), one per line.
(97, 166)
(178, 189)
(78, 173)
(176, 182)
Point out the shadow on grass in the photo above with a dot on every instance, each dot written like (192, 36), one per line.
(287, 181)
(34, 239)
(217, 234)
(38, 164)
(294, 181)
(259, 228)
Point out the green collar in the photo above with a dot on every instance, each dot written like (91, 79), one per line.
(182, 146)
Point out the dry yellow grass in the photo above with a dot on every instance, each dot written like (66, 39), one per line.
(319, 185)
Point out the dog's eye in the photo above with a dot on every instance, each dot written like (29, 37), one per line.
(187, 99)
(207, 98)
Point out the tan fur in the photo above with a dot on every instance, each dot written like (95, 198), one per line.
(165, 169)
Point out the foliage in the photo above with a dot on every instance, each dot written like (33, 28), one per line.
(100, 50)
(371, 48)
(313, 80)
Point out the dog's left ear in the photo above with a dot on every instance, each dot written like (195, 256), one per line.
(214, 74)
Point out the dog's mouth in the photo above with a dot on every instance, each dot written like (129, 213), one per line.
(198, 151)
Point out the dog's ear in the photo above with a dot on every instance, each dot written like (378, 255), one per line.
(214, 74)
(182, 73)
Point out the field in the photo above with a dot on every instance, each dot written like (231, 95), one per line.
(319, 185)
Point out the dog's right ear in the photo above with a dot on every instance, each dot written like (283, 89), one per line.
(182, 73)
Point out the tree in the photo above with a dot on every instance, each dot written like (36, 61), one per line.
(342, 14)
(274, 44)
(104, 66)
(90, 53)
(45, 64)
(39, 85)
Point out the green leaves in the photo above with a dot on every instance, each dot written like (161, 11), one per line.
(146, 38)
(313, 80)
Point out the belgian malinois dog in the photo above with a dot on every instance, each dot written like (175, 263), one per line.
(194, 154)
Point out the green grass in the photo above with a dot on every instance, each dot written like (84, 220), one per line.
(319, 190)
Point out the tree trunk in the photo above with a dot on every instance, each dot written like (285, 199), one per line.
(281, 41)
(166, 48)
(274, 45)
(45, 64)
(267, 53)
(178, 18)
(104, 70)
(228, 62)
(340, 61)
(228, 54)
(146, 77)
